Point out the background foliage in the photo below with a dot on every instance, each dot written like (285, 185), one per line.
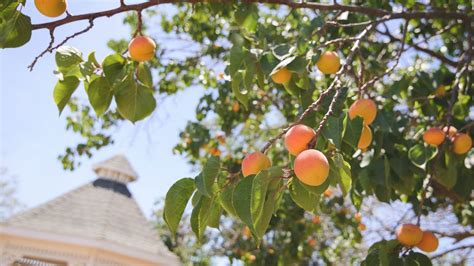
(231, 50)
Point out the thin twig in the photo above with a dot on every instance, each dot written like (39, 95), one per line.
(348, 25)
(397, 60)
(51, 48)
(361, 73)
(50, 45)
(315, 105)
(422, 201)
(138, 31)
(451, 250)
(326, 116)
(427, 51)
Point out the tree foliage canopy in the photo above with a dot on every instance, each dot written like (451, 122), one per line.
(413, 59)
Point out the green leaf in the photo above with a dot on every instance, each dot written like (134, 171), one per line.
(283, 64)
(134, 101)
(206, 179)
(242, 97)
(313, 56)
(291, 87)
(100, 95)
(302, 197)
(382, 253)
(200, 216)
(196, 197)
(6, 3)
(176, 200)
(89, 67)
(247, 16)
(15, 28)
(260, 186)
(67, 57)
(318, 190)
(215, 213)
(446, 172)
(334, 129)
(420, 154)
(64, 90)
(236, 57)
(420, 258)
(249, 73)
(241, 201)
(226, 199)
(269, 208)
(282, 51)
(298, 65)
(144, 75)
(356, 198)
(352, 131)
(114, 68)
(343, 169)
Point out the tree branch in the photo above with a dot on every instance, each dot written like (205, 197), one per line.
(442, 189)
(451, 250)
(50, 47)
(334, 85)
(397, 60)
(458, 236)
(427, 51)
(369, 11)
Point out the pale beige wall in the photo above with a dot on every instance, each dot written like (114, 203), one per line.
(13, 247)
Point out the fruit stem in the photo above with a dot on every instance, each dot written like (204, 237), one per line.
(139, 23)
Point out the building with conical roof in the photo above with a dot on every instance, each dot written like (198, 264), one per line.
(98, 223)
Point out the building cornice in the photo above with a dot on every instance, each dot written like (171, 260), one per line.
(163, 259)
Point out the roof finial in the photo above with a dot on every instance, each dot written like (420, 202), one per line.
(117, 168)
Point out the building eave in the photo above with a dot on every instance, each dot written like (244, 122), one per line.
(90, 243)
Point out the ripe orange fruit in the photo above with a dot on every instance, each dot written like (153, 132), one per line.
(311, 167)
(255, 162)
(364, 108)
(362, 227)
(235, 107)
(252, 257)
(246, 232)
(428, 243)
(329, 62)
(215, 151)
(358, 217)
(281, 76)
(220, 138)
(141, 48)
(316, 219)
(434, 136)
(462, 143)
(328, 192)
(409, 234)
(365, 138)
(298, 138)
(51, 8)
(312, 242)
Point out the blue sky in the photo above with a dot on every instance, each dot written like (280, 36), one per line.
(33, 135)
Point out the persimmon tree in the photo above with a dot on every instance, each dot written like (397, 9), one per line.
(368, 98)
